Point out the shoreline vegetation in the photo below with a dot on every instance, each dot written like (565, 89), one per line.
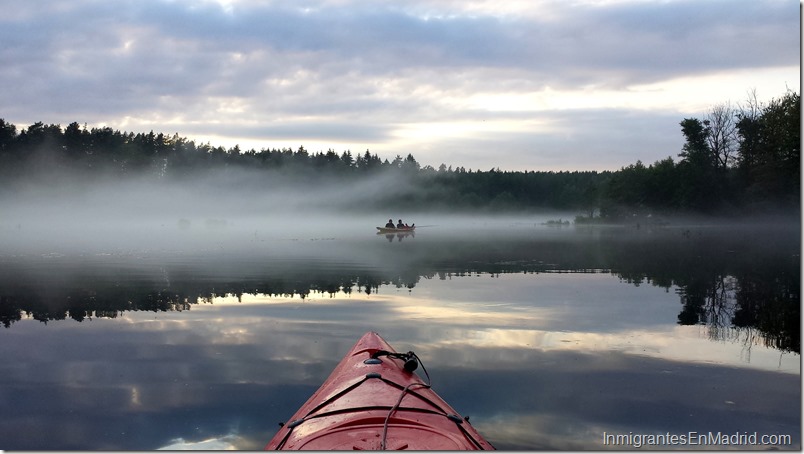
(737, 162)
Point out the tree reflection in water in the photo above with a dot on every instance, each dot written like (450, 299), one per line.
(740, 289)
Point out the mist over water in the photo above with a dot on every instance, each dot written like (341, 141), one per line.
(230, 210)
(199, 312)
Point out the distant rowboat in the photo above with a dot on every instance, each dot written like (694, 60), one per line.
(395, 229)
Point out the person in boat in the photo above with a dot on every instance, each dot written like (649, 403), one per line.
(401, 225)
(390, 224)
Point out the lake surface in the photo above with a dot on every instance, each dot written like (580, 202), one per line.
(208, 334)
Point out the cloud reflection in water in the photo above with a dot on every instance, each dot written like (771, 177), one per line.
(479, 316)
(538, 360)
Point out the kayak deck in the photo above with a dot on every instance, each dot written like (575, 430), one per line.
(370, 401)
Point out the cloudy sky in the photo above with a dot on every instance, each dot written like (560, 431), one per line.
(514, 84)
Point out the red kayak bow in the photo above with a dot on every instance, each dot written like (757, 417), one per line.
(373, 400)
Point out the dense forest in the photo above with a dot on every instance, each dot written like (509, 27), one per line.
(735, 161)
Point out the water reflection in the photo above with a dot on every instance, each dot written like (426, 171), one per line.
(761, 307)
(545, 342)
(476, 316)
(399, 236)
(230, 371)
(738, 289)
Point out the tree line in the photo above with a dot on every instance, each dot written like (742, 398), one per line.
(744, 157)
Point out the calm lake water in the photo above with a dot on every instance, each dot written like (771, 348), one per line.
(547, 337)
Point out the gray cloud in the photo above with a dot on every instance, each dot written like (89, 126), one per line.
(597, 139)
(314, 130)
(353, 68)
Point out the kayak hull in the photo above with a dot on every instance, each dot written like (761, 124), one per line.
(374, 404)
(395, 230)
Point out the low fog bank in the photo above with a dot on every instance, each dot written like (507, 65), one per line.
(254, 211)
(55, 212)
(234, 192)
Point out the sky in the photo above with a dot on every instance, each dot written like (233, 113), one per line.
(508, 84)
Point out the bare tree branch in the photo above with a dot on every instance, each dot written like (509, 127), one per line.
(721, 134)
